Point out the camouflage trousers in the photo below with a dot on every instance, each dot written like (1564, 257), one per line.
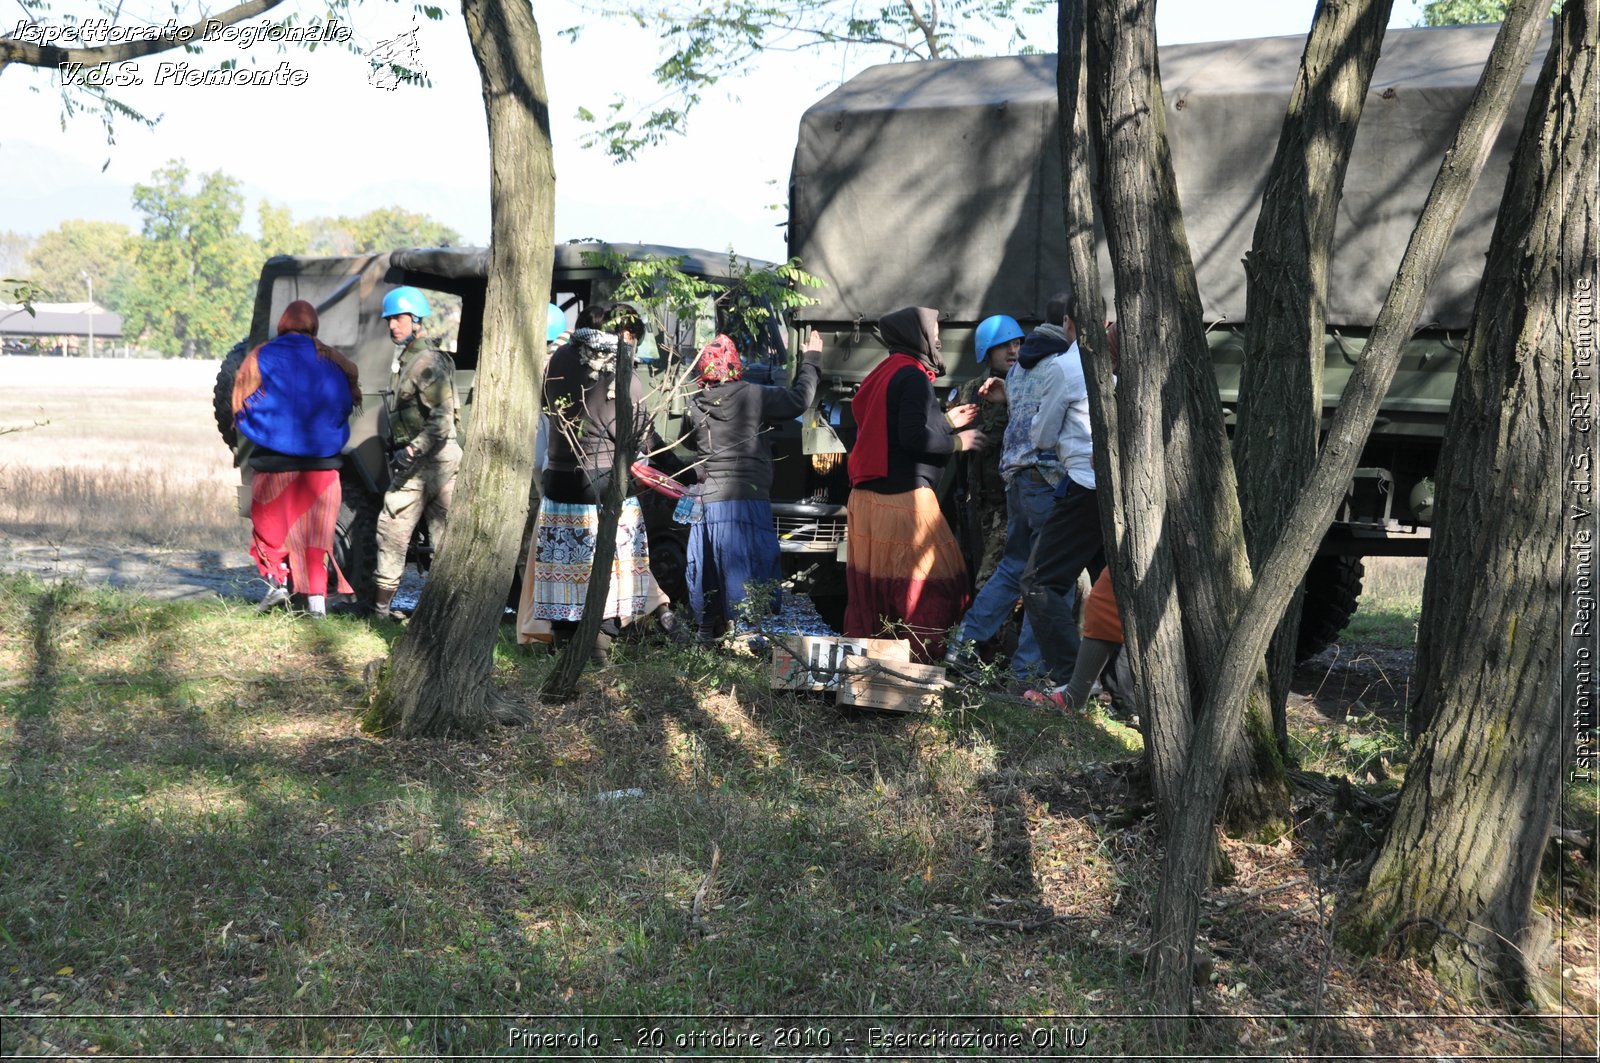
(992, 533)
(425, 490)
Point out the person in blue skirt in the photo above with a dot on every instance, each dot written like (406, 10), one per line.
(734, 545)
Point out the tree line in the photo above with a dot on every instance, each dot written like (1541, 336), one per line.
(184, 282)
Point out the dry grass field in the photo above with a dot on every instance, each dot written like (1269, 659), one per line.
(118, 450)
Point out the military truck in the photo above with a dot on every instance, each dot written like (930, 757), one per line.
(348, 292)
(939, 184)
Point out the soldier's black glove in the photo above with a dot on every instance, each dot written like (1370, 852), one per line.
(402, 462)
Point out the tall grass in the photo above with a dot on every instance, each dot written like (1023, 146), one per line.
(1390, 605)
(114, 451)
(138, 505)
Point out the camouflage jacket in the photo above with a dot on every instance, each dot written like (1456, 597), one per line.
(422, 398)
(984, 483)
(980, 519)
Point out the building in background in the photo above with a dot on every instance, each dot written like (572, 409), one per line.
(66, 329)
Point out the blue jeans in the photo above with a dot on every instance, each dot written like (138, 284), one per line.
(1029, 500)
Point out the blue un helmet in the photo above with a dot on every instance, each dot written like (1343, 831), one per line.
(993, 331)
(555, 323)
(406, 300)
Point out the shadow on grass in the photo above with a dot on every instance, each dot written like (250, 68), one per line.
(228, 844)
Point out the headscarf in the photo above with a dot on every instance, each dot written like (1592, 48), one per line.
(719, 362)
(914, 330)
(597, 351)
(298, 316)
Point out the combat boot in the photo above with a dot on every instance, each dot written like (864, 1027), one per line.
(383, 610)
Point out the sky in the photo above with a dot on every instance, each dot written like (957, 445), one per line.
(337, 144)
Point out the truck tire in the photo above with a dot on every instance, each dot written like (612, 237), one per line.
(355, 539)
(1333, 587)
(669, 548)
(222, 393)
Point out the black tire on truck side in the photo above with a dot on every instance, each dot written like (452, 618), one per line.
(222, 393)
(669, 564)
(1333, 587)
(355, 538)
(669, 548)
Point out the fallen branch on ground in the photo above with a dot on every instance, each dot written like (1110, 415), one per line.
(697, 921)
(1022, 925)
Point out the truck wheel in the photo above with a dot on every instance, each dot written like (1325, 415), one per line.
(1333, 586)
(669, 564)
(669, 548)
(222, 393)
(355, 539)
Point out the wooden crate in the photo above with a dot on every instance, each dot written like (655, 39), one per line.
(896, 687)
(816, 662)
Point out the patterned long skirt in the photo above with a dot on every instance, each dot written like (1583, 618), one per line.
(557, 582)
(905, 577)
(292, 520)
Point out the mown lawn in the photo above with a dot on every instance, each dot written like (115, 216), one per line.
(201, 854)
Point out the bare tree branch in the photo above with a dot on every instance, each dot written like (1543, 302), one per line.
(49, 55)
(929, 26)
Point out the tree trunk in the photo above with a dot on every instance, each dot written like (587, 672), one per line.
(1280, 387)
(1131, 419)
(1455, 877)
(1185, 864)
(1199, 521)
(440, 678)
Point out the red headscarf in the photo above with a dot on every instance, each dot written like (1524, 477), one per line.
(719, 362)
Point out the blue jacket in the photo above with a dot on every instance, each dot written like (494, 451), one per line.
(303, 405)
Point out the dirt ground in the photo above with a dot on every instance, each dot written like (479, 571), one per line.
(1351, 680)
(165, 574)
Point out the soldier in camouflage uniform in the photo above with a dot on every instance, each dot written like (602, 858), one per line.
(978, 471)
(422, 427)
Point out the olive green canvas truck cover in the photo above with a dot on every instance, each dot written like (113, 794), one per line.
(939, 183)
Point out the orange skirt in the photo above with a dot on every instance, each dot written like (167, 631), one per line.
(1100, 617)
(905, 577)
